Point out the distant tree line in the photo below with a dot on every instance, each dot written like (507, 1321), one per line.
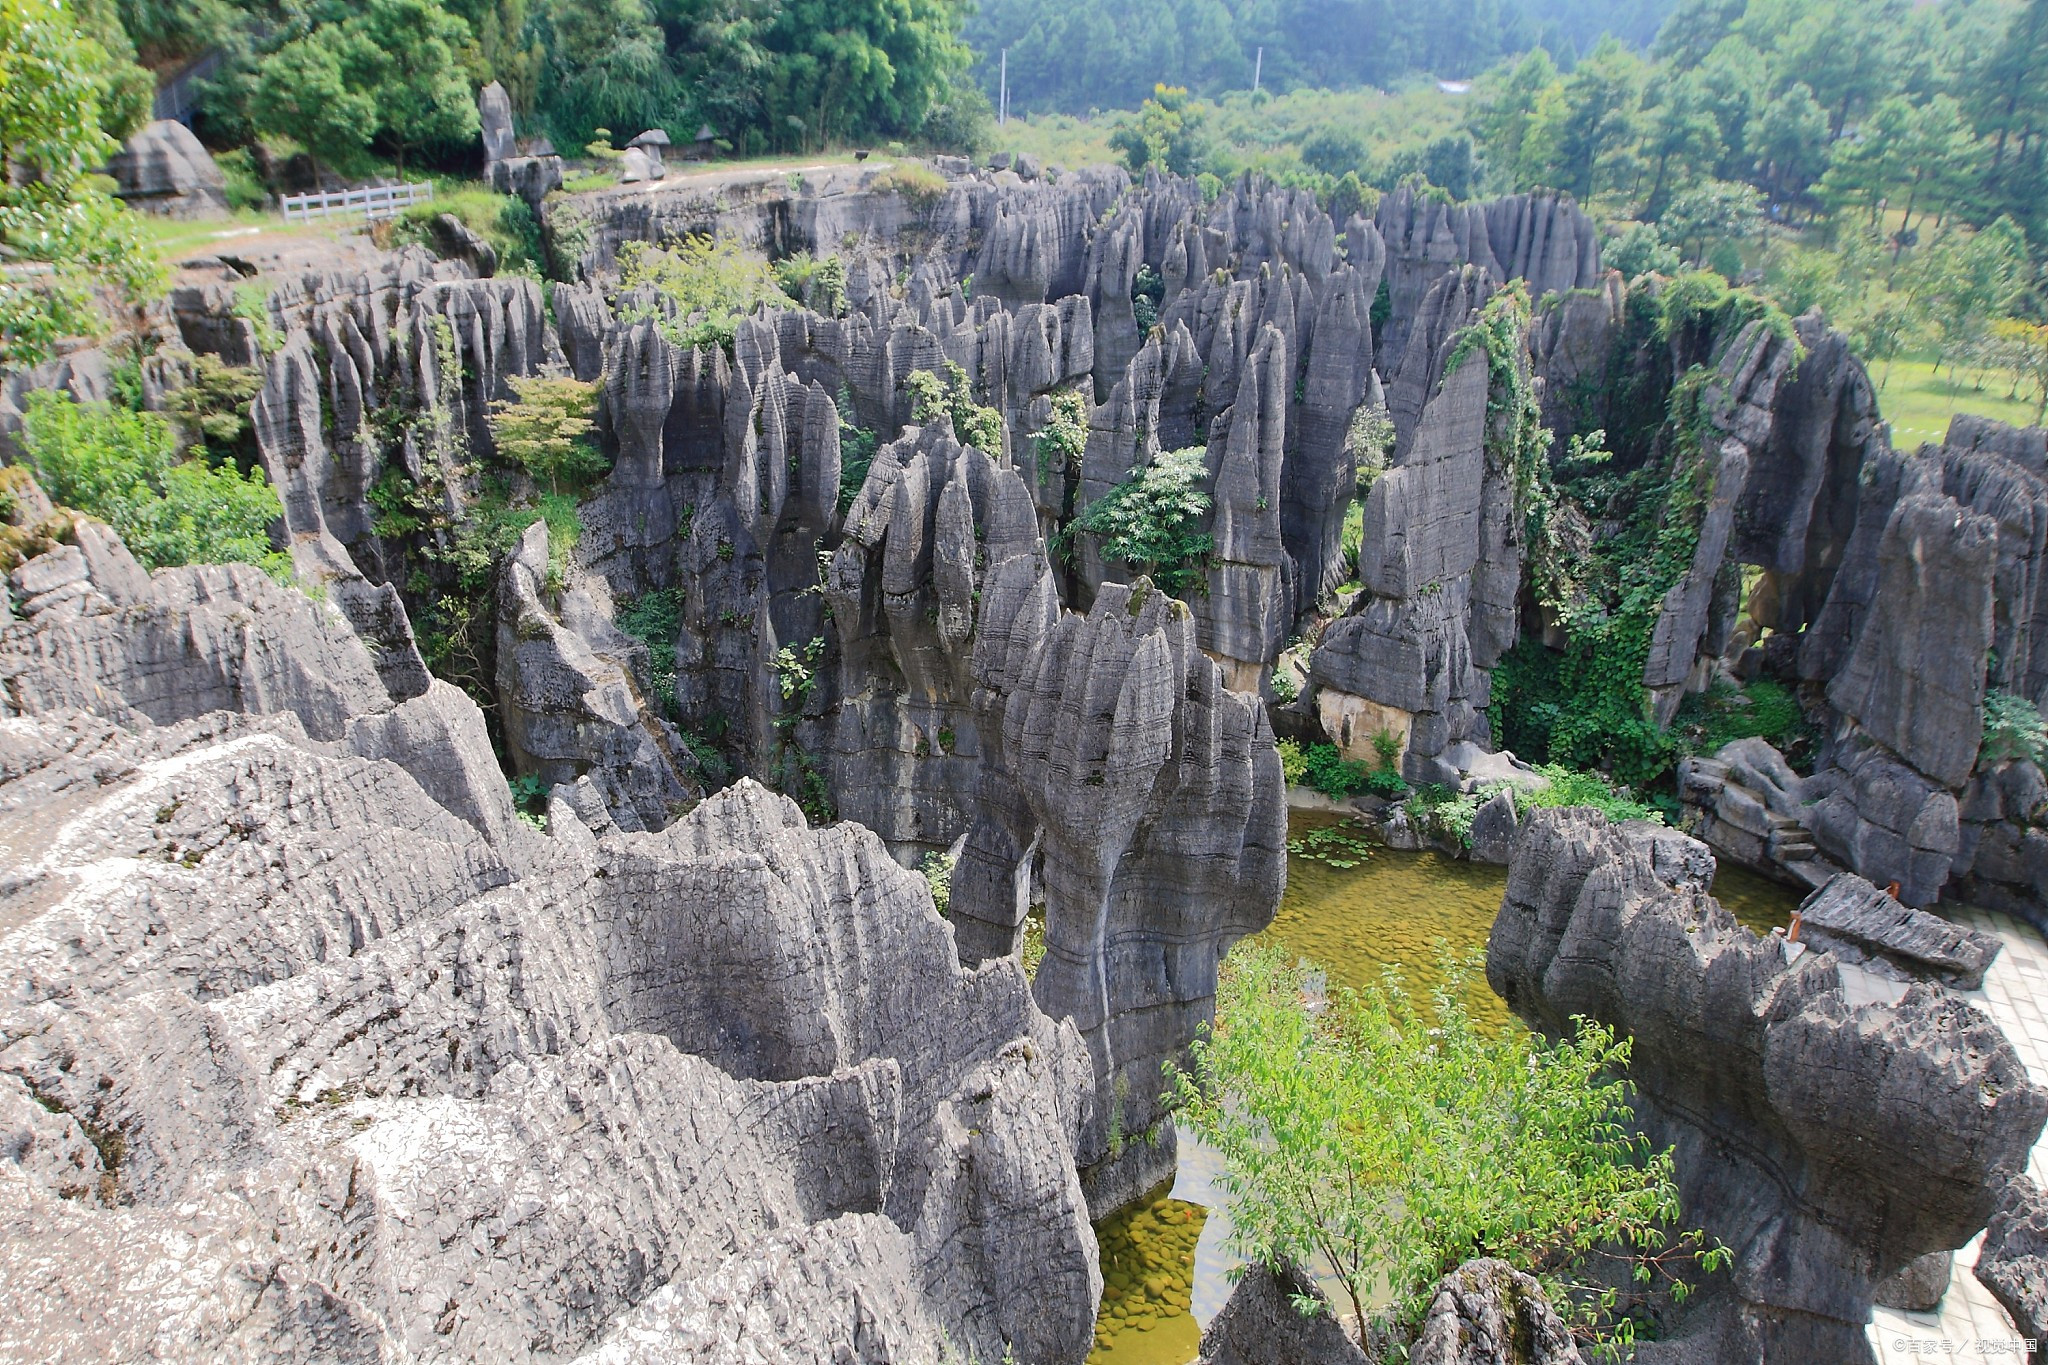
(348, 79)
(1074, 55)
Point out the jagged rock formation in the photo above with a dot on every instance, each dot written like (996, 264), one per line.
(351, 1062)
(1260, 1325)
(1439, 560)
(1543, 238)
(1151, 798)
(1855, 922)
(164, 169)
(1486, 1312)
(2013, 1263)
(1827, 1146)
(530, 175)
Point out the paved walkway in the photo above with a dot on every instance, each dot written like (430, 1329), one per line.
(1969, 1324)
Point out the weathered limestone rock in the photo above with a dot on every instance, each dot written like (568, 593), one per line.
(1260, 1325)
(457, 241)
(1151, 797)
(1494, 829)
(570, 702)
(1486, 1312)
(1440, 538)
(2013, 1263)
(1858, 923)
(164, 169)
(1827, 1147)
(1920, 1286)
(310, 1058)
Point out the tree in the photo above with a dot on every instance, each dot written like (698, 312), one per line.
(1504, 110)
(1389, 1144)
(1170, 132)
(1591, 118)
(1965, 282)
(2008, 103)
(843, 66)
(1680, 134)
(2028, 345)
(1149, 520)
(1937, 161)
(62, 236)
(1789, 142)
(1712, 212)
(607, 68)
(382, 70)
(1334, 151)
(545, 429)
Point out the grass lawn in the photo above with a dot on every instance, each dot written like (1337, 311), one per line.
(1918, 405)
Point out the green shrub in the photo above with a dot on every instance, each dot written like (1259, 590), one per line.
(1387, 783)
(123, 468)
(709, 283)
(1569, 787)
(1444, 812)
(953, 397)
(1333, 775)
(1293, 762)
(655, 619)
(1390, 1143)
(1285, 688)
(1064, 438)
(2013, 729)
(1148, 521)
(818, 284)
(938, 876)
(916, 182)
(252, 305)
(857, 447)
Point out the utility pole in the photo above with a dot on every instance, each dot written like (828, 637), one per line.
(1258, 69)
(1003, 98)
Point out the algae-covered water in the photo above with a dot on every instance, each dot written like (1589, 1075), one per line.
(1387, 910)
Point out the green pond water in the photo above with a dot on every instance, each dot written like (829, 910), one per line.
(1387, 911)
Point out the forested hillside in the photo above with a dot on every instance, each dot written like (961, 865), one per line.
(345, 77)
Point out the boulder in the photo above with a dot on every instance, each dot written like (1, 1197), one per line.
(1859, 923)
(1493, 830)
(457, 241)
(164, 169)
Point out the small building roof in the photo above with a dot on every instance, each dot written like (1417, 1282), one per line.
(653, 137)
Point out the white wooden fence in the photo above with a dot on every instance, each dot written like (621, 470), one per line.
(372, 201)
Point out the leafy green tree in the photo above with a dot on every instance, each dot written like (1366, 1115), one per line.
(123, 468)
(387, 71)
(1334, 151)
(1965, 282)
(53, 211)
(843, 66)
(1789, 142)
(1149, 521)
(1640, 250)
(1938, 161)
(1844, 49)
(545, 429)
(1504, 110)
(1170, 132)
(1388, 1144)
(1693, 29)
(953, 397)
(1577, 135)
(1734, 80)
(706, 286)
(607, 68)
(1681, 137)
(2007, 100)
(1712, 212)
